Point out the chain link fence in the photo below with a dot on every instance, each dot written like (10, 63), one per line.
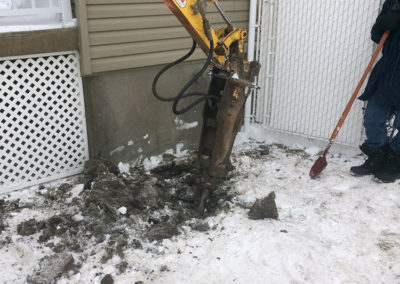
(313, 54)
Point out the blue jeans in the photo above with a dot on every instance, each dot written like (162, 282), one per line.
(375, 119)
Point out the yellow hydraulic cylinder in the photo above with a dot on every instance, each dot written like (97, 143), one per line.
(184, 10)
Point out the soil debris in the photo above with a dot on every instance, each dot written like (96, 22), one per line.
(89, 220)
(57, 193)
(122, 266)
(264, 208)
(2, 224)
(263, 149)
(107, 279)
(200, 226)
(95, 167)
(28, 228)
(108, 193)
(136, 244)
(162, 231)
(51, 267)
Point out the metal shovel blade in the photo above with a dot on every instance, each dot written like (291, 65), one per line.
(318, 167)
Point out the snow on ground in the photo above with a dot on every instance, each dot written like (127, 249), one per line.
(335, 229)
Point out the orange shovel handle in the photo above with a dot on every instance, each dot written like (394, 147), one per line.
(354, 96)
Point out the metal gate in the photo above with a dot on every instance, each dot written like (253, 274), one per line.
(313, 54)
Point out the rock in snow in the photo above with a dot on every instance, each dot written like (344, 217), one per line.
(107, 279)
(264, 208)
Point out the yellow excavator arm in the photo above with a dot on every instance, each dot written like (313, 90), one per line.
(192, 15)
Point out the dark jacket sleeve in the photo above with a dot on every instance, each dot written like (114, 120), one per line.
(388, 19)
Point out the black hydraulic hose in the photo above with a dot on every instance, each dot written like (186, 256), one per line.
(204, 97)
(181, 93)
(170, 65)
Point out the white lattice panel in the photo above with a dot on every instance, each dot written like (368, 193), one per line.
(321, 50)
(42, 120)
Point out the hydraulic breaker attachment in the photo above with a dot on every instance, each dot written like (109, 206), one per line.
(221, 123)
(221, 119)
(230, 112)
(231, 83)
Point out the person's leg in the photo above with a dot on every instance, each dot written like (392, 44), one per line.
(375, 118)
(391, 171)
(375, 146)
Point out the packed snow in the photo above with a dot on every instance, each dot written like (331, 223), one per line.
(5, 4)
(335, 229)
(152, 162)
(122, 210)
(117, 150)
(124, 167)
(183, 125)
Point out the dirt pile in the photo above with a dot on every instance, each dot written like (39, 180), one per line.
(110, 212)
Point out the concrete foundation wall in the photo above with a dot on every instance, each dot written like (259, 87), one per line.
(121, 109)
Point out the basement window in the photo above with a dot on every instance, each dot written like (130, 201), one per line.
(27, 15)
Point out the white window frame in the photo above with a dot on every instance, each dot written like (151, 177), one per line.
(63, 9)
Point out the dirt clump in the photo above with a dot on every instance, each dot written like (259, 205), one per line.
(57, 193)
(162, 231)
(51, 267)
(107, 279)
(2, 209)
(55, 226)
(28, 228)
(2, 224)
(136, 244)
(264, 208)
(200, 226)
(108, 193)
(94, 167)
(122, 267)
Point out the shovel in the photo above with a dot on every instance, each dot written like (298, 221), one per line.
(321, 163)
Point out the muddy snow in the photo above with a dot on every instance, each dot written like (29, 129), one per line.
(268, 222)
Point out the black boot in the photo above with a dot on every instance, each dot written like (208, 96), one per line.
(375, 162)
(391, 171)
